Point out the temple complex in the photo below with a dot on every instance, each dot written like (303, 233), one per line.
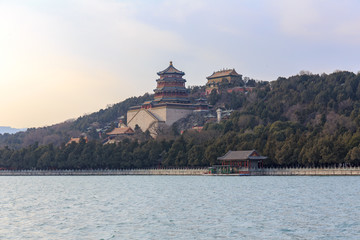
(171, 103)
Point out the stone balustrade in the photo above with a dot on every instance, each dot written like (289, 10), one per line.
(100, 172)
(347, 171)
(342, 171)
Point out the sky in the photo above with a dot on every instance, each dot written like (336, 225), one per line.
(62, 59)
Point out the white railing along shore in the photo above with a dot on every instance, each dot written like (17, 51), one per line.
(184, 171)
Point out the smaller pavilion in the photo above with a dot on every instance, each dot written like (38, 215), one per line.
(122, 129)
(238, 162)
(77, 140)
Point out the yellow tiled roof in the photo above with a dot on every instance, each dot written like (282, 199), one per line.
(224, 73)
(119, 131)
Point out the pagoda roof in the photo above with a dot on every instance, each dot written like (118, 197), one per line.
(181, 89)
(241, 155)
(224, 73)
(171, 70)
(173, 104)
(171, 79)
(174, 99)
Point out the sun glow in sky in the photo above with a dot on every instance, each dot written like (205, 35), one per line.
(62, 59)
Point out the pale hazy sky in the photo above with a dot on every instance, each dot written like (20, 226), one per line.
(60, 59)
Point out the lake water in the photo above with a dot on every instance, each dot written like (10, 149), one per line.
(179, 207)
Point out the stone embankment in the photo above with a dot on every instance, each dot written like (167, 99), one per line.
(174, 171)
(348, 171)
(351, 171)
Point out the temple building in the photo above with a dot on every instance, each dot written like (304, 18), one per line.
(171, 86)
(122, 129)
(201, 105)
(238, 162)
(227, 75)
(171, 103)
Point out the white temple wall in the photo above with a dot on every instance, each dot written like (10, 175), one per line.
(141, 118)
(145, 118)
(130, 114)
(159, 113)
(174, 114)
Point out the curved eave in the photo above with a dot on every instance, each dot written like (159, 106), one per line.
(156, 98)
(167, 100)
(170, 89)
(171, 70)
(166, 71)
(221, 74)
(170, 79)
(258, 158)
(229, 75)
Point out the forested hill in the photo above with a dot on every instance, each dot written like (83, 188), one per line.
(305, 98)
(306, 120)
(303, 120)
(62, 132)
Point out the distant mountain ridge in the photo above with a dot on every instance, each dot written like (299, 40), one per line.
(10, 130)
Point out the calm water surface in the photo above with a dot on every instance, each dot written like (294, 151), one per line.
(179, 207)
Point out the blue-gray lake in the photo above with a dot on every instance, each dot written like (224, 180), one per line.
(179, 207)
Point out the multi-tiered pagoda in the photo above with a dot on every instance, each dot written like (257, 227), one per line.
(171, 103)
(171, 86)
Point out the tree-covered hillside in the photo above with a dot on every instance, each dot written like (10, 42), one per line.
(306, 120)
(303, 120)
(303, 98)
(62, 132)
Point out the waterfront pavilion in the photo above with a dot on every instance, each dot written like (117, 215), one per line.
(238, 162)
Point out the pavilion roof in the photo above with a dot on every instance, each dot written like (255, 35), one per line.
(241, 155)
(76, 140)
(120, 131)
(224, 73)
(171, 70)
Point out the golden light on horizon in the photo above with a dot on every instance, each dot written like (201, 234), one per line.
(61, 59)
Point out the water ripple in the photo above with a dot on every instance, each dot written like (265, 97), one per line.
(179, 207)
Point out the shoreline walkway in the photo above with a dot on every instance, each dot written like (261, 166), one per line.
(347, 171)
